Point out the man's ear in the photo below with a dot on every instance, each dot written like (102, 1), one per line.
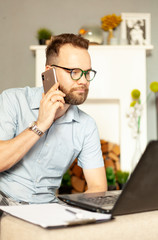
(48, 67)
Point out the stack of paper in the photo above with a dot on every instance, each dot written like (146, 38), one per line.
(54, 214)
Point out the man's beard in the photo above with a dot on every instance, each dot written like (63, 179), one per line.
(75, 98)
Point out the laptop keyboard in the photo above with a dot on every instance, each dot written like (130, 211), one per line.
(101, 200)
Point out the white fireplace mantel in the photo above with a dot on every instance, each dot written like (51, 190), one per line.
(120, 69)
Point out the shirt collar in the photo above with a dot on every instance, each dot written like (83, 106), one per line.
(71, 115)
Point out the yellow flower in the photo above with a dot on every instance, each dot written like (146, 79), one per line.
(135, 94)
(154, 87)
(133, 104)
(136, 107)
(135, 112)
(110, 22)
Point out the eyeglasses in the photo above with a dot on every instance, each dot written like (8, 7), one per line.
(77, 73)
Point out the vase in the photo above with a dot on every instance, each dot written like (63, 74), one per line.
(42, 41)
(137, 153)
(110, 36)
(93, 33)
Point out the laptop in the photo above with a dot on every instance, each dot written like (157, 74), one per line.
(140, 193)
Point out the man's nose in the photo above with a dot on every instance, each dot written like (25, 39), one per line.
(83, 80)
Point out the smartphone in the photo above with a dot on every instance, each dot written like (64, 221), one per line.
(49, 79)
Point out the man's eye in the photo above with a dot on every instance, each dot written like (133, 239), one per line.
(88, 73)
(75, 71)
(69, 71)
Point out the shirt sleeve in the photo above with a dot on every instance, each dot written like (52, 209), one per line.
(7, 116)
(91, 154)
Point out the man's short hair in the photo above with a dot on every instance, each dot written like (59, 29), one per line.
(62, 39)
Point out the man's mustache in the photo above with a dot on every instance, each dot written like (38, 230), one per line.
(79, 88)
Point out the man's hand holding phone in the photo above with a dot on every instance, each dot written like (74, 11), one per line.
(52, 100)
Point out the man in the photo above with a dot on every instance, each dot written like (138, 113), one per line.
(33, 159)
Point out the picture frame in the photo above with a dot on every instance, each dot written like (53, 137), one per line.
(135, 28)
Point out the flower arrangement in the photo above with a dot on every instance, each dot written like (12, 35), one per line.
(136, 108)
(135, 111)
(110, 22)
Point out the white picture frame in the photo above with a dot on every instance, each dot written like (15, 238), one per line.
(135, 28)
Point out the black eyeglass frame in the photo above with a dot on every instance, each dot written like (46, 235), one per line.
(72, 69)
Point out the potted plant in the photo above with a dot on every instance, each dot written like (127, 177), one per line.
(43, 34)
(121, 178)
(111, 180)
(66, 186)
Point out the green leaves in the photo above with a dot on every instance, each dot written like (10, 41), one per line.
(66, 181)
(119, 177)
(110, 175)
(122, 177)
(44, 33)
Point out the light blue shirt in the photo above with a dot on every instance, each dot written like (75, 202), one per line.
(37, 176)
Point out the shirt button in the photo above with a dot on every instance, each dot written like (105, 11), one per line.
(37, 180)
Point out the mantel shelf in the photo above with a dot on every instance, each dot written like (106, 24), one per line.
(147, 47)
(120, 68)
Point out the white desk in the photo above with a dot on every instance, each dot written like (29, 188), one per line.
(142, 226)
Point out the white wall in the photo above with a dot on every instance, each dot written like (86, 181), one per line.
(19, 21)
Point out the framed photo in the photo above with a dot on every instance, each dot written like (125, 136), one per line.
(135, 28)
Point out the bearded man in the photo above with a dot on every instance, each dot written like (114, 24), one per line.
(35, 157)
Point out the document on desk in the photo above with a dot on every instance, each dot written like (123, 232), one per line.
(55, 214)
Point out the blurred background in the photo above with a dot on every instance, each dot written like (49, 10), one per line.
(20, 20)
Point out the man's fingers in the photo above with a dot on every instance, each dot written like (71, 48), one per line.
(54, 91)
(57, 98)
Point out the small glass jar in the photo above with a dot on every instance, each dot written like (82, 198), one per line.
(93, 33)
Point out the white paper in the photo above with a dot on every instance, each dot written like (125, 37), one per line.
(54, 214)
